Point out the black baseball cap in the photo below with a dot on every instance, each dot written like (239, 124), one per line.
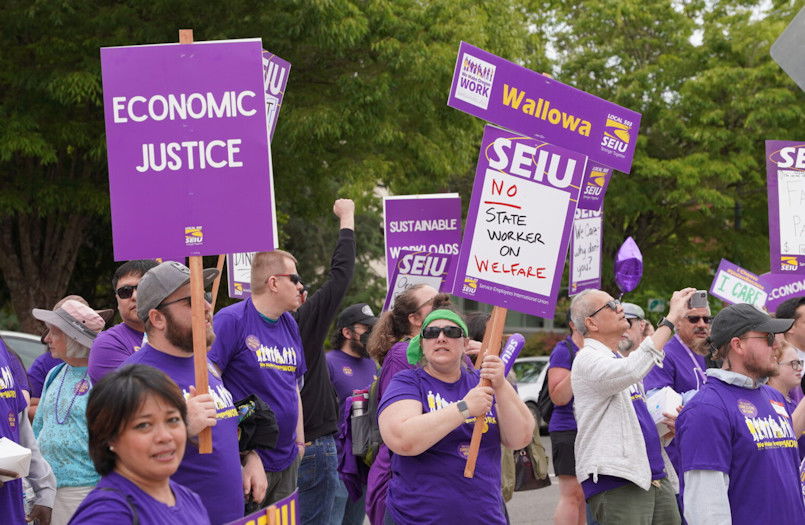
(356, 313)
(737, 319)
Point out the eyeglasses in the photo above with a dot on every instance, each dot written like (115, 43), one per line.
(432, 332)
(796, 364)
(768, 337)
(162, 305)
(293, 277)
(612, 305)
(693, 319)
(125, 292)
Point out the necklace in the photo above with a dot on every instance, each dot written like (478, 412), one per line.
(78, 389)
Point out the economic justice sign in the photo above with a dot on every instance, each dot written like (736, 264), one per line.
(188, 148)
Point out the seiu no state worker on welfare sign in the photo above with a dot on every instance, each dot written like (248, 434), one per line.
(188, 148)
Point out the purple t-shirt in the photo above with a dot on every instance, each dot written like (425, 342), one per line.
(111, 348)
(349, 373)
(39, 371)
(11, 404)
(791, 405)
(110, 503)
(682, 369)
(437, 473)
(216, 477)
(747, 434)
(262, 357)
(653, 449)
(562, 417)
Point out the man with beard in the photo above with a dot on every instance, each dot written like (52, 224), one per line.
(114, 345)
(163, 305)
(632, 337)
(739, 453)
(351, 368)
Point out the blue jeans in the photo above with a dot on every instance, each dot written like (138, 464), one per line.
(318, 478)
(345, 511)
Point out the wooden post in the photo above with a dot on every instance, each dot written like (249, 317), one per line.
(217, 282)
(199, 321)
(489, 346)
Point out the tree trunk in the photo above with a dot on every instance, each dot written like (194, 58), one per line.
(37, 258)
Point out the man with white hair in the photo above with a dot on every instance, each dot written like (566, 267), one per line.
(60, 424)
(624, 473)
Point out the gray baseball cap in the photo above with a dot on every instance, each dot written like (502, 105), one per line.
(632, 311)
(161, 281)
(737, 319)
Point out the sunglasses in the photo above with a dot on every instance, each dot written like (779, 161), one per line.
(162, 305)
(693, 319)
(125, 292)
(796, 364)
(612, 305)
(432, 332)
(293, 277)
(768, 337)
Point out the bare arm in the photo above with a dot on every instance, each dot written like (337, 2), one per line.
(409, 432)
(559, 387)
(300, 425)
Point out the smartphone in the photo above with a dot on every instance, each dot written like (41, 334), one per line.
(698, 299)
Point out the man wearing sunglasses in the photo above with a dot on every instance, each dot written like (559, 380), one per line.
(794, 308)
(624, 472)
(739, 453)
(114, 345)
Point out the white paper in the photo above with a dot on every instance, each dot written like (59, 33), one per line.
(15, 458)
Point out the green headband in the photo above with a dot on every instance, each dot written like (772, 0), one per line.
(414, 350)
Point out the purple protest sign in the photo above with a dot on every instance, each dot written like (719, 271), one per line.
(518, 225)
(781, 287)
(596, 180)
(275, 78)
(509, 95)
(415, 268)
(585, 251)
(734, 285)
(422, 223)
(187, 141)
(283, 512)
(785, 183)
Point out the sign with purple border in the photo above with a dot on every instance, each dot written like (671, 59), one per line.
(422, 223)
(415, 268)
(781, 287)
(518, 224)
(585, 251)
(283, 512)
(734, 285)
(188, 151)
(239, 274)
(509, 95)
(275, 78)
(596, 180)
(785, 183)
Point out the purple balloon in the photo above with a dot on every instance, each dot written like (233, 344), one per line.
(628, 266)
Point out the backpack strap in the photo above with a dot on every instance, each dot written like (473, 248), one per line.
(135, 520)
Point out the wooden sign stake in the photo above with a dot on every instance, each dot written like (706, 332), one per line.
(490, 346)
(199, 320)
(217, 282)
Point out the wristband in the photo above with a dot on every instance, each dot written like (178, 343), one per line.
(666, 322)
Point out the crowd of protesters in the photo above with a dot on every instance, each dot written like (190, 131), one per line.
(114, 421)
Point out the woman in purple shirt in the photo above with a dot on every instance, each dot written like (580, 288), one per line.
(426, 418)
(387, 346)
(137, 421)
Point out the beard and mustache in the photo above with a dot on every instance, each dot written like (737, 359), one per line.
(359, 347)
(182, 337)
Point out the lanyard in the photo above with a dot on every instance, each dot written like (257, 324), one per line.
(697, 370)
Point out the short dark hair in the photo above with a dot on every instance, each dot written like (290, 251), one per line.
(136, 267)
(115, 399)
(788, 308)
(476, 325)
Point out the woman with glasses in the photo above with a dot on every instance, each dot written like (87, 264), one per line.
(789, 377)
(426, 418)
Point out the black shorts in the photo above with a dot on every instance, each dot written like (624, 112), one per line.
(564, 458)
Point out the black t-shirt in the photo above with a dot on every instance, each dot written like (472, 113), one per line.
(319, 402)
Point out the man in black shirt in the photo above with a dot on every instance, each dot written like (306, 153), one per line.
(318, 471)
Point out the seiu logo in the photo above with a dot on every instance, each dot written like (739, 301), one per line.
(617, 135)
(470, 286)
(788, 263)
(193, 235)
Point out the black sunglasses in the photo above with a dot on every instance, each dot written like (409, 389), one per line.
(293, 277)
(125, 292)
(432, 332)
(162, 305)
(693, 319)
(612, 305)
(768, 337)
